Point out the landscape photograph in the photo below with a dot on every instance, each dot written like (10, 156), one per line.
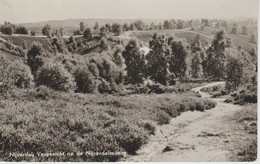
(128, 80)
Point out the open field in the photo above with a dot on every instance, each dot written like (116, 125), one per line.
(146, 36)
(205, 35)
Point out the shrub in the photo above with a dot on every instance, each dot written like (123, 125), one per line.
(8, 29)
(88, 34)
(130, 138)
(105, 87)
(250, 152)
(244, 95)
(97, 142)
(35, 57)
(20, 74)
(21, 30)
(162, 117)
(150, 126)
(86, 82)
(54, 75)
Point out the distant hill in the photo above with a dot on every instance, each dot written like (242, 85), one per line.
(89, 22)
(69, 25)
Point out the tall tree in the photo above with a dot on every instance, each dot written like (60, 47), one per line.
(168, 25)
(46, 30)
(244, 30)
(8, 28)
(234, 29)
(21, 30)
(96, 27)
(82, 27)
(126, 27)
(35, 57)
(158, 60)
(139, 24)
(104, 44)
(135, 62)
(234, 73)
(253, 39)
(179, 53)
(109, 27)
(216, 55)
(116, 28)
(196, 67)
(102, 31)
(88, 35)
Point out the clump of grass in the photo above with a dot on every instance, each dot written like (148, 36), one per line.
(248, 151)
(249, 113)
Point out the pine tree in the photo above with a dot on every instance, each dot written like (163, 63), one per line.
(253, 39)
(46, 30)
(35, 57)
(196, 67)
(179, 54)
(234, 73)
(96, 27)
(216, 55)
(135, 62)
(88, 35)
(244, 30)
(158, 58)
(82, 27)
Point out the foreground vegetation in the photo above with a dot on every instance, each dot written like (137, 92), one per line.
(248, 117)
(43, 120)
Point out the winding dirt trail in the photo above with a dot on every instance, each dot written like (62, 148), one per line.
(196, 136)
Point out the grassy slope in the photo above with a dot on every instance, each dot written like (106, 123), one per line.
(243, 40)
(206, 36)
(146, 36)
(10, 56)
(18, 40)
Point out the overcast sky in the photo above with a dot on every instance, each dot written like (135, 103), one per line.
(23, 11)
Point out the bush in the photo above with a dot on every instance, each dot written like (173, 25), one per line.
(86, 82)
(20, 74)
(162, 117)
(244, 95)
(21, 30)
(130, 138)
(35, 57)
(8, 29)
(149, 126)
(55, 76)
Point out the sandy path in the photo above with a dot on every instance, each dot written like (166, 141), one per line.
(196, 136)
